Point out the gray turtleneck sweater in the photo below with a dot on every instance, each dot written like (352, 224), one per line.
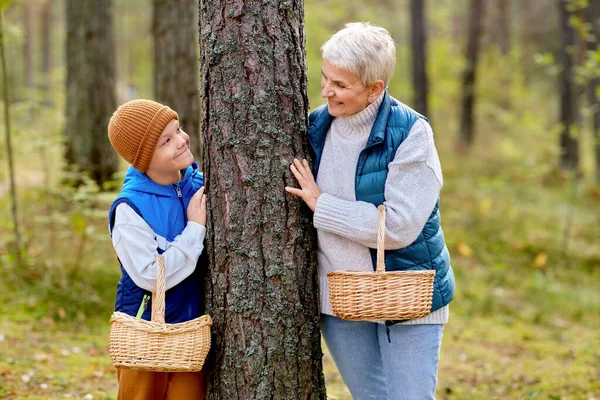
(347, 228)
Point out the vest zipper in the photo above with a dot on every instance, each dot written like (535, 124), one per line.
(180, 196)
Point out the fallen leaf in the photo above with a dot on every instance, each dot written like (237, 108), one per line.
(41, 357)
(540, 260)
(485, 205)
(464, 250)
(92, 368)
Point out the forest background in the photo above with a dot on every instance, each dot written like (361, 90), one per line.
(522, 224)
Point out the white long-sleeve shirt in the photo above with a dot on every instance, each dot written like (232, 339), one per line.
(136, 246)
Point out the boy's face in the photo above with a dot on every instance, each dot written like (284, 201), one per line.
(172, 152)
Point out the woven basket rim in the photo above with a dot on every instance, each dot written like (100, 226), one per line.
(375, 273)
(144, 326)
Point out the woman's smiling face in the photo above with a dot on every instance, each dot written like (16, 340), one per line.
(345, 93)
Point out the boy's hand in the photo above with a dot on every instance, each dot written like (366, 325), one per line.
(196, 210)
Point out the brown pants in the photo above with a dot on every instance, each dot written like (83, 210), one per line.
(148, 385)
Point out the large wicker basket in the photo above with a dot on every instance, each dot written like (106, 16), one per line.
(157, 346)
(381, 295)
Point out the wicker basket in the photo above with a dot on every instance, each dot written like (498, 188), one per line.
(380, 295)
(155, 345)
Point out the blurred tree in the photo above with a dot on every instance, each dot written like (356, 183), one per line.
(536, 38)
(46, 49)
(569, 154)
(262, 288)
(419, 55)
(594, 86)
(27, 39)
(90, 87)
(468, 81)
(175, 31)
(499, 28)
(9, 149)
(525, 44)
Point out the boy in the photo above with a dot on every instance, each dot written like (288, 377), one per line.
(160, 210)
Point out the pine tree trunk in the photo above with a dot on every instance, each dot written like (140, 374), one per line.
(419, 53)
(90, 87)
(569, 155)
(468, 84)
(262, 285)
(175, 31)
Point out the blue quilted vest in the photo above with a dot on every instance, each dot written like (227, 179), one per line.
(392, 126)
(164, 208)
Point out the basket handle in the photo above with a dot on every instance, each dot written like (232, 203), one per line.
(158, 298)
(381, 239)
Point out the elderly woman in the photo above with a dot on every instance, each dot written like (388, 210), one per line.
(371, 149)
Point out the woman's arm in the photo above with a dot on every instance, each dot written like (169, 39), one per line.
(411, 191)
(136, 246)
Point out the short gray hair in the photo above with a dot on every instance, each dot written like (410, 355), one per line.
(366, 50)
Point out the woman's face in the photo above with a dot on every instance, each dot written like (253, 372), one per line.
(345, 93)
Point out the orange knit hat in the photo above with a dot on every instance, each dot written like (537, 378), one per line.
(134, 129)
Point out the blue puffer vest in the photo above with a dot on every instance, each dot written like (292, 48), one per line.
(392, 126)
(164, 208)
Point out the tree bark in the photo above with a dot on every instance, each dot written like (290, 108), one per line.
(91, 96)
(175, 32)
(468, 81)
(569, 154)
(419, 55)
(262, 289)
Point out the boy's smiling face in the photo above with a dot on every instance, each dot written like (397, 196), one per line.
(171, 155)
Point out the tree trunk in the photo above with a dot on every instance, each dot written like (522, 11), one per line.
(90, 87)
(262, 289)
(524, 8)
(569, 154)
(500, 25)
(594, 86)
(419, 53)
(9, 151)
(468, 83)
(175, 31)
(27, 51)
(46, 37)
